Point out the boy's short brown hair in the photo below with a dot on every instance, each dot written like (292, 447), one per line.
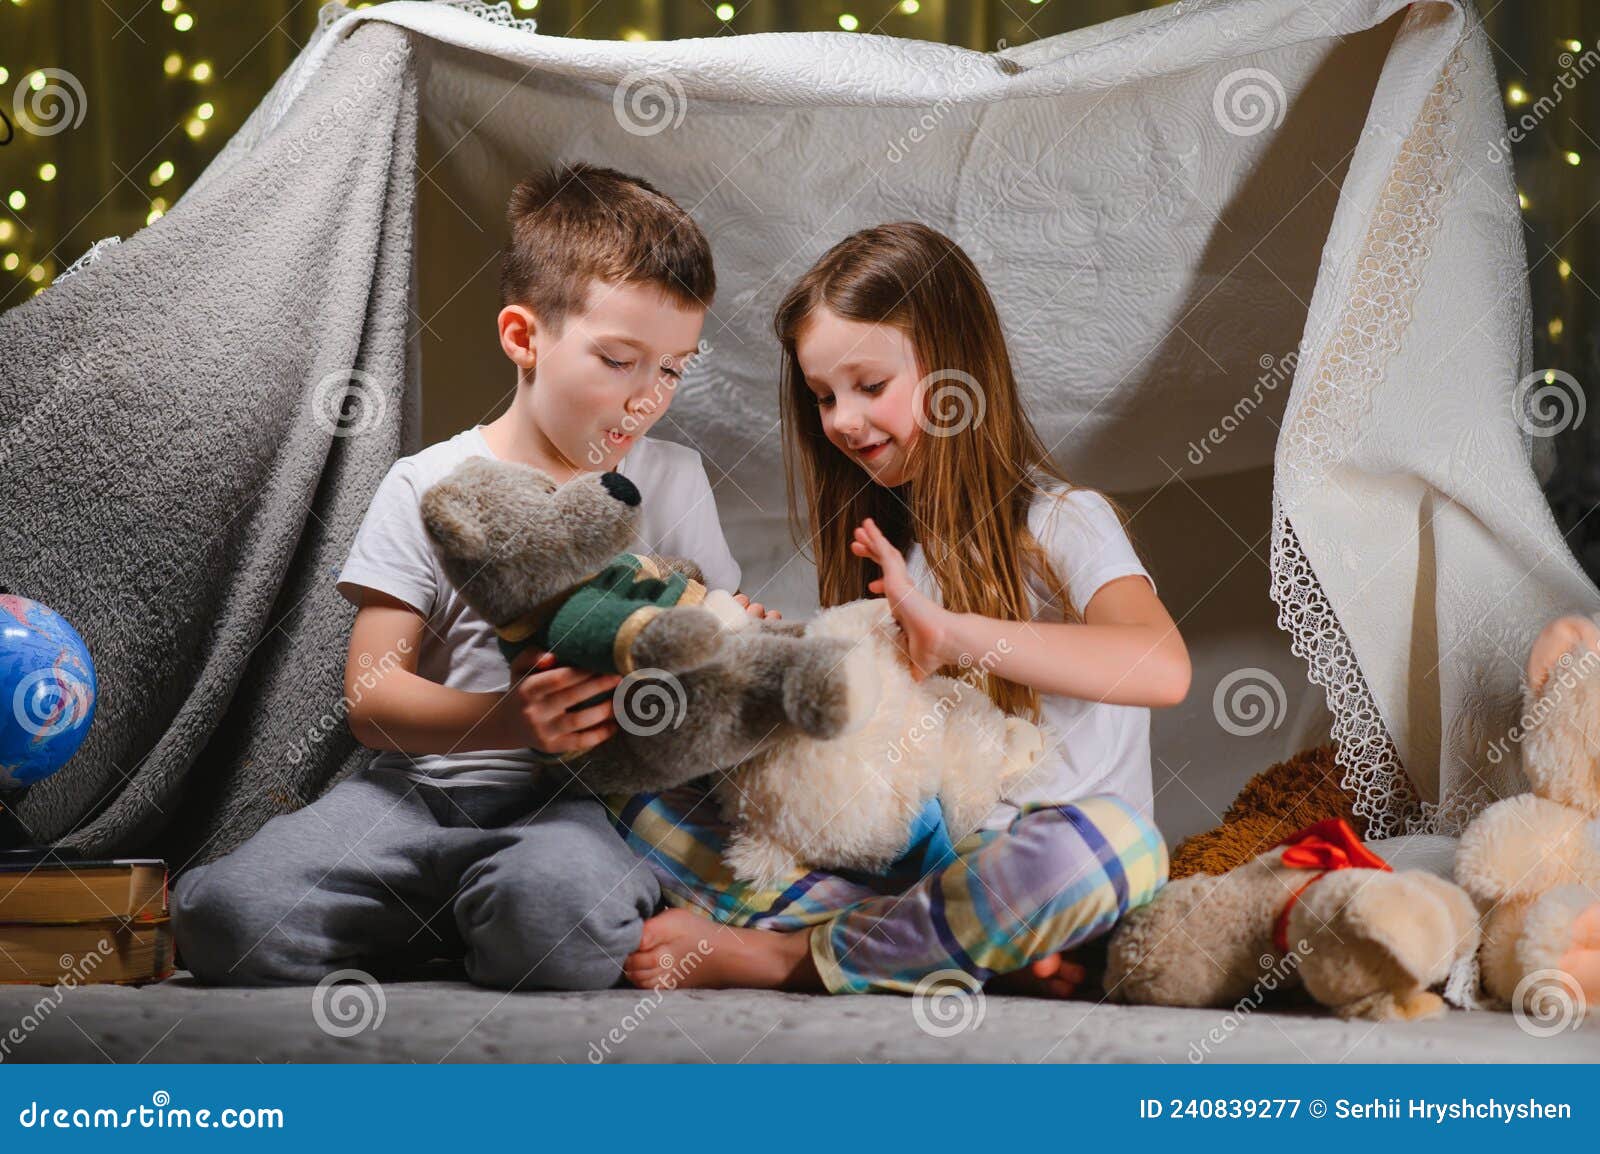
(580, 223)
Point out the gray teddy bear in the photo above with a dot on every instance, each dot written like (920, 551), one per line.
(545, 565)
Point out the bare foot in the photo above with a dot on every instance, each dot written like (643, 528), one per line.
(680, 949)
(1055, 976)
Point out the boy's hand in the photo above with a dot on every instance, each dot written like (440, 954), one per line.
(756, 609)
(537, 709)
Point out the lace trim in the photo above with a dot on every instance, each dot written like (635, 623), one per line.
(499, 13)
(1321, 433)
(96, 251)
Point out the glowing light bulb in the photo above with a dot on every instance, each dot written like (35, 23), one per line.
(205, 111)
(162, 174)
(7, 230)
(201, 71)
(527, 5)
(47, 172)
(1563, 269)
(849, 23)
(5, 74)
(36, 80)
(154, 215)
(173, 64)
(36, 273)
(726, 12)
(1522, 200)
(909, 7)
(1516, 95)
(18, 199)
(1556, 328)
(1574, 159)
(11, 262)
(634, 36)
(195, 127)
(169, 5)
(183, 21)
(1575, 45)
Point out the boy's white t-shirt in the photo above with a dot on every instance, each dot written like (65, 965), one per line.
(393, 554)
(1091, 747)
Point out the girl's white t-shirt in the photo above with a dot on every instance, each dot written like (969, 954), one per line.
(1090, 747)
(392, 554)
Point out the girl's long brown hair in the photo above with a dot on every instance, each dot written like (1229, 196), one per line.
(974, 469)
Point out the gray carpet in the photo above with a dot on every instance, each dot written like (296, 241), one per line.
(446, 1021)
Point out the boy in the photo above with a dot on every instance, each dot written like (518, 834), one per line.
(445, 845)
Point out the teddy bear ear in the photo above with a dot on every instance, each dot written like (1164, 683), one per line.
(451, 517)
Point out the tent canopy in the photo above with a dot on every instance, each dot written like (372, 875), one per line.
(1259, 265)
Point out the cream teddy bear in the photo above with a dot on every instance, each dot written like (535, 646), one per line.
(848, 801)
(1532, 862)
(1320, 911)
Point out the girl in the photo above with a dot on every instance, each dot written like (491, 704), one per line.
(924, 482)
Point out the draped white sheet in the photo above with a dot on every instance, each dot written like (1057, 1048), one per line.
(1177, 212)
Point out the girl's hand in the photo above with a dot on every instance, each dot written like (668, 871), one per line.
(925, 624)
(756, 609)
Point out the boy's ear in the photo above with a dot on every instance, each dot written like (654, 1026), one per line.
(518, 328)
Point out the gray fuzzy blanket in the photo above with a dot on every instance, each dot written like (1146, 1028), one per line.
(193, 426)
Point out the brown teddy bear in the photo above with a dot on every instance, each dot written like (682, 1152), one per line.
(1318, 911)
(1533, 861)
(1275, 802)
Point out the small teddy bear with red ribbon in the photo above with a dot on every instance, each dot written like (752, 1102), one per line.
(1319, 911)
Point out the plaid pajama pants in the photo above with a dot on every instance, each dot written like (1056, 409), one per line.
(1057, 877)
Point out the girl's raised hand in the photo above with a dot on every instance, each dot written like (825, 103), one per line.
(924, 623)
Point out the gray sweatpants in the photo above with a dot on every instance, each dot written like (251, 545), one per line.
(384, 872)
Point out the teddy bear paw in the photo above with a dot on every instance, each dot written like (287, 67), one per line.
(678, 640)
(831, 690)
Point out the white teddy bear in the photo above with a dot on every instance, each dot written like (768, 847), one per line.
(852, 801)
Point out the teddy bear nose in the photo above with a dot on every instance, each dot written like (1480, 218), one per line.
(620, 487)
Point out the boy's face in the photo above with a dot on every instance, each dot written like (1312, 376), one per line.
(609, 373)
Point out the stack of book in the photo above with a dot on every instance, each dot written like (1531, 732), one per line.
(83, 921)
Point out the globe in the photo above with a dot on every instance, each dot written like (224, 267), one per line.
(47, 691)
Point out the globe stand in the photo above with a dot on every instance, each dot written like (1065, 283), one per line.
(17, 847)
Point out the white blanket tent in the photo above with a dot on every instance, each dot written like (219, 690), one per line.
(1178, 213)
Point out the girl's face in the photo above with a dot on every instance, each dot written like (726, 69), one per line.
(864, 378)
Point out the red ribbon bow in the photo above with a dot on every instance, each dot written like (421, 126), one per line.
(1327, 845)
